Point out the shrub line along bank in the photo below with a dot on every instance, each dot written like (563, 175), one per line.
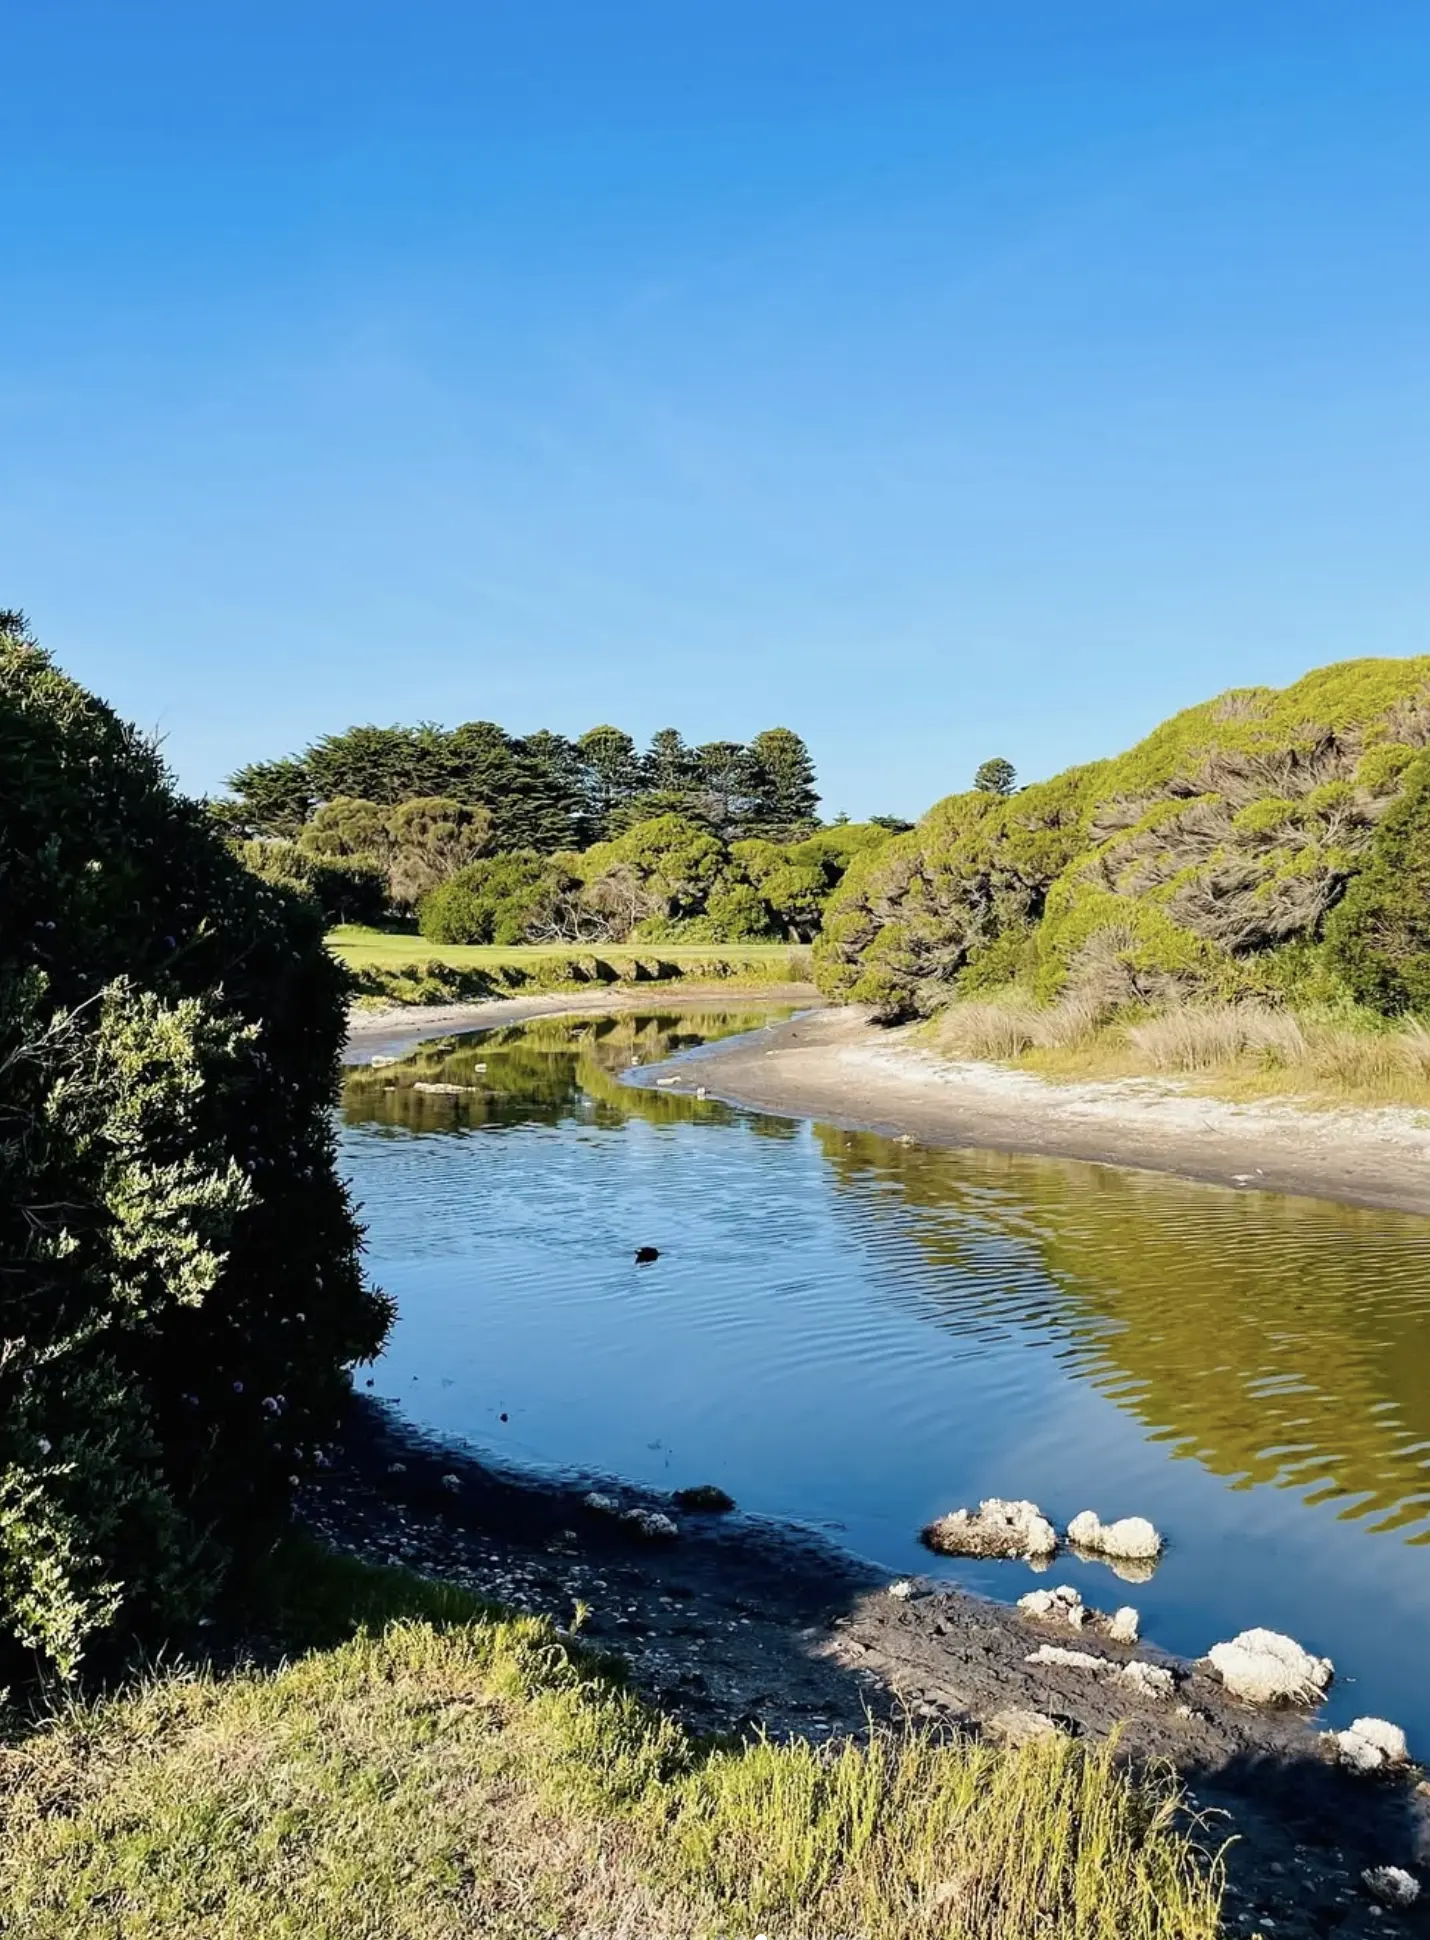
(1268, 844)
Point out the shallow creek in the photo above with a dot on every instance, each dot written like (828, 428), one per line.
(857, 1334)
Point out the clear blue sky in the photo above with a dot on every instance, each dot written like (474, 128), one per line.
(938, 379)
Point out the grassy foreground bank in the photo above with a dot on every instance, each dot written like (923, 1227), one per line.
(426, 1767)
(395, 968)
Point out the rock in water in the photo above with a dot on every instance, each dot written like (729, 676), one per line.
(1132, 1540)
(994, 1529)
(1370, 1744)
(1124, 1625)
(705, 1496)
(1263, 1667)
(1392, 1885)
(651, 1524)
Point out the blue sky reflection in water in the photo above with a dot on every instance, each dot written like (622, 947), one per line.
(859, 1335)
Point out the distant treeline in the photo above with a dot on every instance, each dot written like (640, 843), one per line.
(542, 791)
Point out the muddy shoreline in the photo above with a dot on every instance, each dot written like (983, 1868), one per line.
(740, 1625)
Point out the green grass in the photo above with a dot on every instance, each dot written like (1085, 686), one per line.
(403, 969)
(362, 949)
(427, 1768)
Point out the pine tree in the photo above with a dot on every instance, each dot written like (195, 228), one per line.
(783, 801)
(612, 774)
(274, 798)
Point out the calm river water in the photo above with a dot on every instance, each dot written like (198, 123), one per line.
(858, 1335)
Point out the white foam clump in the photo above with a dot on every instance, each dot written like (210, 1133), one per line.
(995, 1528)
(645, 1522)
(1392, 1885)
(1368, 1744)
(1263, 1667)
(1150, 1679)
(1132, 1539)
(1070, 1660)
(1063, 1604)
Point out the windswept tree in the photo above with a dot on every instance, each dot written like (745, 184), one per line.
(432, 838)
(349, 826)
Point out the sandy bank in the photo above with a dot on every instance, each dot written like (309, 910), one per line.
(835, 1066)
(398, 1027)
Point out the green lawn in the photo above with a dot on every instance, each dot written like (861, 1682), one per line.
(385, 950)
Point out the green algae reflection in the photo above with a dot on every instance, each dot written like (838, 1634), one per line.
(1273, 1339)
(548, 1070)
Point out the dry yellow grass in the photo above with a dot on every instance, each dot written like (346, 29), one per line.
(1234, 1050)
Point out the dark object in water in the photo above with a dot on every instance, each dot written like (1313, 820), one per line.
(502, 1417)
(704, 1496)
(645, 1254)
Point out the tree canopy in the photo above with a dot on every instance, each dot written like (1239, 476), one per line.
(541, 791)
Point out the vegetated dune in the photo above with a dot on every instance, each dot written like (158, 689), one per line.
(1203, 862)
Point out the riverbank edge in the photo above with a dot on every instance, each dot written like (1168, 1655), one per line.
(835, 1066)
(742, 1625)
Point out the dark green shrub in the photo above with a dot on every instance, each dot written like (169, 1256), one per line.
(350, 890)
(181, 1292)
(498, 899)
(1379, 936)
(738, 914)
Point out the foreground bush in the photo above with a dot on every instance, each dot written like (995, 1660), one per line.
(181, 1289)
(451, 1772)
